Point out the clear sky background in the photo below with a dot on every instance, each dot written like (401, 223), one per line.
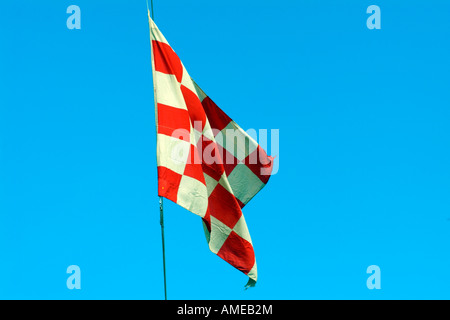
(364, 176)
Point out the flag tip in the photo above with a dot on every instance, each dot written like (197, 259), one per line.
(250, 284)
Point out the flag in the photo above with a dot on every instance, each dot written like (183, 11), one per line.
(206, 163)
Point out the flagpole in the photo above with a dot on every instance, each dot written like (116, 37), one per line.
(151, 4)
(161, 222)
(161, 207)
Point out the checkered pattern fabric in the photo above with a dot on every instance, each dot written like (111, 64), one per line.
(206, 162)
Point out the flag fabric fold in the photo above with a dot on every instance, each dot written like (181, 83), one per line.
(206, 163)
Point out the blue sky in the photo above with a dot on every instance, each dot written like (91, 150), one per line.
(364, 174)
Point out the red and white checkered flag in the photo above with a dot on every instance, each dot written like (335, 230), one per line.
(206, 162)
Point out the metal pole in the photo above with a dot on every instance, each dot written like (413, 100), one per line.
(151, 4)
(161, 208)
(161, 222)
